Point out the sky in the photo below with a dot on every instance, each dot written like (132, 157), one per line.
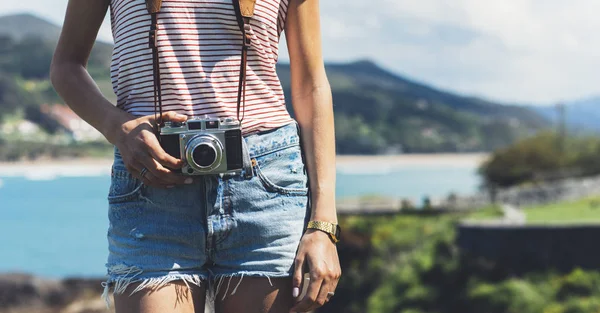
(511, 51)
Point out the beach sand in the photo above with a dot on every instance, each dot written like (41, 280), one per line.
(48, 169)
(449, 159)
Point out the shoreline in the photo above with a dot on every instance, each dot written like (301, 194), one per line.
(438, 159)
(52, 168)
(48, 169)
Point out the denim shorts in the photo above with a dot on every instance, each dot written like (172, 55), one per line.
(221, 226)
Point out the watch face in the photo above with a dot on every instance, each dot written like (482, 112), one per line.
(338, 232)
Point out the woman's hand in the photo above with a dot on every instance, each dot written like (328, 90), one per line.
(139, 148)
(320, 256)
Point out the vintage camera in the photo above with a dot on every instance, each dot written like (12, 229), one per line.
(205, 145)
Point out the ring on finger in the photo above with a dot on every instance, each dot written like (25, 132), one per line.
(143, 172)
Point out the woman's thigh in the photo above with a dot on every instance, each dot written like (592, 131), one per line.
(175, 297)
(256, 295)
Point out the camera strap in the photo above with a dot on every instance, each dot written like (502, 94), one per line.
(244, 10)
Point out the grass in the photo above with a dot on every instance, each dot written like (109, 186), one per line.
(490, 212)
(582, 211)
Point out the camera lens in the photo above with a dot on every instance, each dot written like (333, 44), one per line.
(204, 155)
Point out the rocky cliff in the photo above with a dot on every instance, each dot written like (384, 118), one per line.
(27, 293)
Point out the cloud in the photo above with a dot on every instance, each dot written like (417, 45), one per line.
(511, 50)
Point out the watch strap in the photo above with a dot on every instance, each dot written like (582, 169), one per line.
(330, 228)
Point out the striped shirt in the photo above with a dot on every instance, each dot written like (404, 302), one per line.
(199, 44)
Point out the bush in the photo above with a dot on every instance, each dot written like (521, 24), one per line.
(545, 156)
(511, 296)
(578, 284)
(582, 305)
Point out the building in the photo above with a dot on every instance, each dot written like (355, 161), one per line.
(79, 129)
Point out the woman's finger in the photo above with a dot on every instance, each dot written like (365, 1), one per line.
(152, 174)
(297, 278)
(152, 145)
(151, 180)
(134, 168)
(334, 285)
(165, 159)
(166, 117)
(323, 297)
(148, 178)
(312, 293)
(169, 176)
(159, 171)
(157, 160)
(172, 116)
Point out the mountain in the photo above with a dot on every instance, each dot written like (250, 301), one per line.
(377, 111)
(19, 26)
(581, 115)
(27, 44)
(28, 29)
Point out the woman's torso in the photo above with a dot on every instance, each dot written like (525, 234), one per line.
(199, 43)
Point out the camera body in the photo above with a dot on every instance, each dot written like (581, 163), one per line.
(205, 145)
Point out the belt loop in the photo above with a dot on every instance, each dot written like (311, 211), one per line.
(247, 163)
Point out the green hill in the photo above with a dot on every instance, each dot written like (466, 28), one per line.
(27, 43)
(376, 110)
(19, 26)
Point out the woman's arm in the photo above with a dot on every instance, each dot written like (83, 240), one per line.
(68, 70)
(312, 103)
(69, 75)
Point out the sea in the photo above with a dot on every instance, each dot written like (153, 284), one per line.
(53, 222)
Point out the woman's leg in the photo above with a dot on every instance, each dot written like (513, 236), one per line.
(174, 297)
(256, 295)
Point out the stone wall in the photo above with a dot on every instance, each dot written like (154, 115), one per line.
(532, 247)
(531, 195)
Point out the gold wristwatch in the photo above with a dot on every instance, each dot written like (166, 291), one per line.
(333, 230)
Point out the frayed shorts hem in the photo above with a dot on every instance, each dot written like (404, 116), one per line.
(216, 281)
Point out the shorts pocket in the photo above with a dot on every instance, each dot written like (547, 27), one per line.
(123, 186)
(282, 171)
